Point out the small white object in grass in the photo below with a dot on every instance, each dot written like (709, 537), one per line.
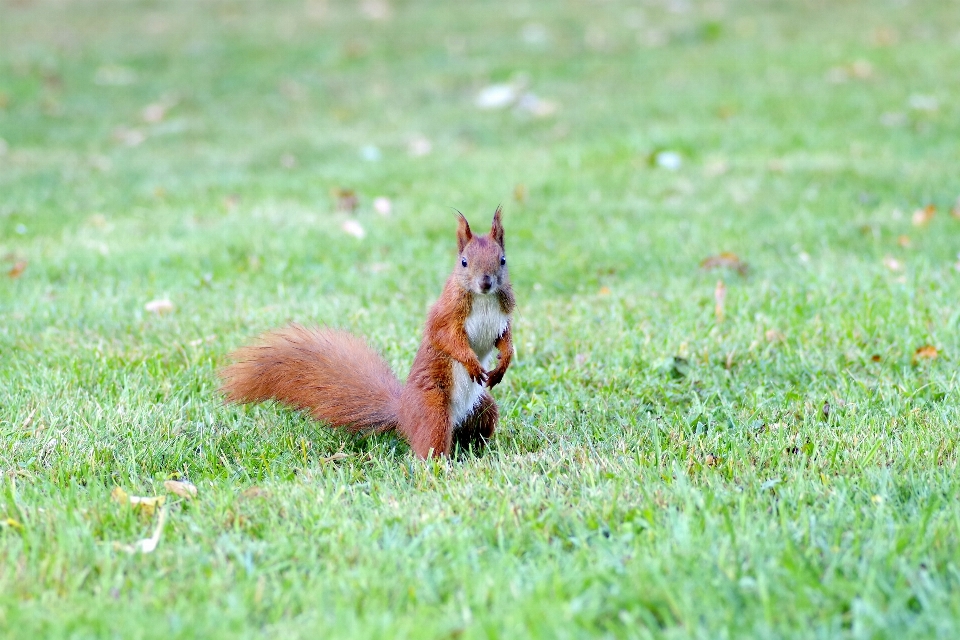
(382, 205)
(496, 96)
(419, 146)
(20, 229)
(147, 545)
(923, 103)
(670, 160)
(534, 33)
(370, 153)
(159, 306)
(288, 161)
(353, 228)
(535, 106)
(375, 9)
(892, 263)
(154, 113)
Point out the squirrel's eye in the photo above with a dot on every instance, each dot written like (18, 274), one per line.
(463, 262)
(503, 260)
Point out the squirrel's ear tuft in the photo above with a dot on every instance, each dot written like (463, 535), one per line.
(463, 232)
(496, 229)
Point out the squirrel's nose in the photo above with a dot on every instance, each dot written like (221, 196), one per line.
(486, 283)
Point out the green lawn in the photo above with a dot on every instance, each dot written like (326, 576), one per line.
(784, 466)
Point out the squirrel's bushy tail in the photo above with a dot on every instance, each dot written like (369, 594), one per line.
(332, 374)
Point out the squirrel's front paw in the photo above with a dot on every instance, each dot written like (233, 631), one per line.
(477, 374)
(495, 377)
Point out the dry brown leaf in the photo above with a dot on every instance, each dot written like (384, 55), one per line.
(772, 335)
(144, 504)
(875, 357)
(347, 200)
(340, 455)
(183, 489)
(926, 352)
(255, 492)
(520, 193)
(724, 260)
(719, 298)
(17, 269)
(924, 216)
(159, 306)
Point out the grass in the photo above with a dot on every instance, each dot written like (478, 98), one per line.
(787, 468)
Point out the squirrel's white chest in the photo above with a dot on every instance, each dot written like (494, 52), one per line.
(484, 326)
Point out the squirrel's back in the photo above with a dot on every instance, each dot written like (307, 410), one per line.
(332, 374)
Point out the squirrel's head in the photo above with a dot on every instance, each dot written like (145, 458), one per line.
(482, 264)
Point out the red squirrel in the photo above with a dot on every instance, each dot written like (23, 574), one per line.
(446, 400)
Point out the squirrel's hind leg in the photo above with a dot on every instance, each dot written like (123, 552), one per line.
(478, 427)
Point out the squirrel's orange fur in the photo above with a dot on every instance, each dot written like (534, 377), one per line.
(446, 400)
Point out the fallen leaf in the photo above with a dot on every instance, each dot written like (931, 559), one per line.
(340, 455)
(885, 36)
(520, 193)
(772, 335)
(255, 492)
(159, 306)
(875, 357)
(347, 200)
(144, 504)
(924, 216)
(146, 545)
(926, 352)
(725, 259)
(719, 298)
(17, 269)
(353, 228)
(711, 460)
(382, 205)
(861, 69)
(183, 489)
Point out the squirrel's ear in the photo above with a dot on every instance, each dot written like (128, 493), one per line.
(496, 229)
(463, 232)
